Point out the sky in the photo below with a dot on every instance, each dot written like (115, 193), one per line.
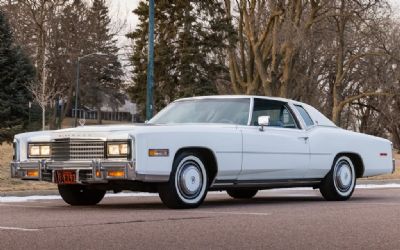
(121, 14)
(124, 21)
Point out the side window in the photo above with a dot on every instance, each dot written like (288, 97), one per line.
(279, 115)
(306, 117)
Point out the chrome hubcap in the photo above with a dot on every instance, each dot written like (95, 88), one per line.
(343, 176)
(190, 180)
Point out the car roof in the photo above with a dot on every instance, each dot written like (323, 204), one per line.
(316, 116)
(239, 96)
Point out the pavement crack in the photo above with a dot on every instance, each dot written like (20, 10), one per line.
(128, 222)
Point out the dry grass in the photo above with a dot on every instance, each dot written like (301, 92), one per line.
(8, 184)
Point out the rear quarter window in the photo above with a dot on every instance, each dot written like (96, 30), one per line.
(306, 117)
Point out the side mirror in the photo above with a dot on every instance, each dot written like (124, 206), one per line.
(263, 121)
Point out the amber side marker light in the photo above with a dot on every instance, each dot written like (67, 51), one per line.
(32, 173)
(158, 152)
(98, 174)
(115, 173)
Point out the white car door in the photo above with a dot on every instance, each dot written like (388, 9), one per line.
(280, 151)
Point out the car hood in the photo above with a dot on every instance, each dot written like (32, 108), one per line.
(111, 131)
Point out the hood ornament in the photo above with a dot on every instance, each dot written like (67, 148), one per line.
(82, 122)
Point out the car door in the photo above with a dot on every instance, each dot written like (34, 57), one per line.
(280, 151)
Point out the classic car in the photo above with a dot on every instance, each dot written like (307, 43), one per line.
(238, 144)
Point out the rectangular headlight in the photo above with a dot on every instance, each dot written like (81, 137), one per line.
(118, 149)
(39, 150)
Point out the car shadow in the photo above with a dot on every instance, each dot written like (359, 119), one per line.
(224, 201)
(211, 201)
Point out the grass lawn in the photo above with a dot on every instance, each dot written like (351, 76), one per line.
(8, 184)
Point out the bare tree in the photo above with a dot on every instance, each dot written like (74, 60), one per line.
(43, 96)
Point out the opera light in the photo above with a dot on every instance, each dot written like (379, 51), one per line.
(158, 152)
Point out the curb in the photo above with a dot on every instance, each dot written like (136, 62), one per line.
(28, 193)
(378, 182)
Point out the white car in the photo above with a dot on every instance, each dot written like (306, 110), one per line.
(240, 144)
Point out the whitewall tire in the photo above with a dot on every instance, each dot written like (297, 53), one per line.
(340, 182)
(188, 182)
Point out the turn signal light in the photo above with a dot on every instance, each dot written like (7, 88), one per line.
(32, 173)
(115, 173)
(98, 173)
(158, 152)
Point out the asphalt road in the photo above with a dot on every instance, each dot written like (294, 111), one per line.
(285, 219)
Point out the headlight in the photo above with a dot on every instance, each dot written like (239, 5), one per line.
(38, 150)
(118, 149)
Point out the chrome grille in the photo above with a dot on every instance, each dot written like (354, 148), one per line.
(73, 149)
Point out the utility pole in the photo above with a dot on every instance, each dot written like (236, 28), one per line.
(150, 64)
(77, 91)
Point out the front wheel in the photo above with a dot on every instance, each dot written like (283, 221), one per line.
(80, 195)
(188, 183)
(340, 182)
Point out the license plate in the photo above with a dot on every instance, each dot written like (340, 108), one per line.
(65, 177)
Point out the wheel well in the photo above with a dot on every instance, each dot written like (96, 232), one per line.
(357, 161)
(207, 156)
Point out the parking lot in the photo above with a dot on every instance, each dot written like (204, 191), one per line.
(274, 219)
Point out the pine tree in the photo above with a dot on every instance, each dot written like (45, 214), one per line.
(102, 80)
(190, 37)
(68, 40)
(16, 71)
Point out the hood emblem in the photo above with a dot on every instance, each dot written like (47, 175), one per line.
(82, 122)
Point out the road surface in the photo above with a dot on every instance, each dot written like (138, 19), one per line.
(274, 219)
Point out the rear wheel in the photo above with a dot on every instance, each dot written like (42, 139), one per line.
(80, 195)
(242, 193)
(188, 183)
(340, 182)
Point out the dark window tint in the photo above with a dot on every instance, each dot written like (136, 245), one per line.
(279, 115)
(306, 117)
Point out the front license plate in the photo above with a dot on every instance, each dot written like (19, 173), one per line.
(65, 177)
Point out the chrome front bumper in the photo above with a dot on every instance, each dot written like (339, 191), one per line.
(95, 171)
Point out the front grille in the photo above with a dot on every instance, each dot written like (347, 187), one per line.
(73, 149)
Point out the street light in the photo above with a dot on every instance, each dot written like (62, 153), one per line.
(80, 58)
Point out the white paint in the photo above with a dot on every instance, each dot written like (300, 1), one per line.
(19, 229)
(139, 194)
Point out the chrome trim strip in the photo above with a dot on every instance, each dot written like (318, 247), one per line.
(250, 111)
(270, 153)
(265, 183)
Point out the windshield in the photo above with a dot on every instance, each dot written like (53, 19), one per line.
(232, 111)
